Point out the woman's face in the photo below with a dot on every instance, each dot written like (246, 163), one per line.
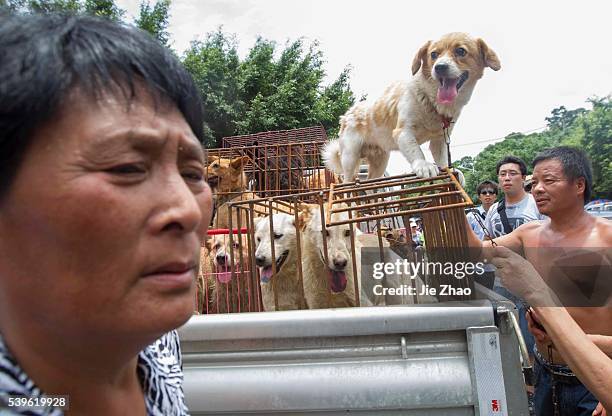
(101, 228)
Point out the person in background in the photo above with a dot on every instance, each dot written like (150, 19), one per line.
(487, 194)
(103, 208)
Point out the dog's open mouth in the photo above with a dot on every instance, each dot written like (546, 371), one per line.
(224, 272)
(337, 280)
(449, 88)
(265, 273)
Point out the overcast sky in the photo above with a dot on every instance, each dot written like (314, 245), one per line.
(552, 53)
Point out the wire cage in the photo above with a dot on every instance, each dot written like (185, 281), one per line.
(305, 134)
(348, 222)
(268, 169)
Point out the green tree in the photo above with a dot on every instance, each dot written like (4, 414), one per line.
(263, 92)
(154, 19)
(104, 8)
(597, 142)
(214, 65)
(101, 8)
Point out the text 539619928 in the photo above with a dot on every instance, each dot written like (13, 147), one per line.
(38, 403)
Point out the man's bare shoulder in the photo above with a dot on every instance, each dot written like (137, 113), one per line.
(532, 226)
(604, 230)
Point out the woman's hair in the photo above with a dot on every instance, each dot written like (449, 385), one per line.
(45, 57)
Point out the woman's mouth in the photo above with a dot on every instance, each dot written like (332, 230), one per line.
(173, 276)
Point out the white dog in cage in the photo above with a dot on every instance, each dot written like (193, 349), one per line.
(329, 277)
(286, 280)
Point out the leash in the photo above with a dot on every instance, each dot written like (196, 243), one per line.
(446, 123)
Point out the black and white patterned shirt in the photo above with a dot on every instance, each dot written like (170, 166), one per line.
(159, 370)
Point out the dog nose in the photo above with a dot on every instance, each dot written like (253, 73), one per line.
(441, 69)
(260, 261)
(340, 263)
(221, 260)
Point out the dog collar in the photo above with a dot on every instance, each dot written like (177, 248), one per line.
(446, 122)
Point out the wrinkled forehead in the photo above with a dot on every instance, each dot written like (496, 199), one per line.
(549, 167)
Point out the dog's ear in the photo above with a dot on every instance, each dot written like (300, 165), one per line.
(489, 57)
(304, 217)
(239, 162)
(419, 58)
(208, 243)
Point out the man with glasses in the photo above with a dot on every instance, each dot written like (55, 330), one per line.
(517, 207)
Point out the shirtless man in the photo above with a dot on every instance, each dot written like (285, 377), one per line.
(562, 182)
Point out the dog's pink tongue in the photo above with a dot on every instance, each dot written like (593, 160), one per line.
(224, 276)
(338, 281)
(448, 90)
(266, 274)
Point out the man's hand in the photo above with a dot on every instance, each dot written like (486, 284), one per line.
(520, 277)
(535, 328)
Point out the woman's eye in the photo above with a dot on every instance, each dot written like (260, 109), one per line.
(128, 169)
(460, 52)
(194, 175)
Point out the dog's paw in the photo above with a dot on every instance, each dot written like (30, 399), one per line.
(425, 169)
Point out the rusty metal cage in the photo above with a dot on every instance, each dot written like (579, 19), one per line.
(272, 169)
(306, 134)
(374, 213)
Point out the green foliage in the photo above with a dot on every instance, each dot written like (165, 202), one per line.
(51, 6)
(597, 142)
(101, 8)
(154, 19)
(104, 8)
(214, 65)
(590, 130)
(262, 92)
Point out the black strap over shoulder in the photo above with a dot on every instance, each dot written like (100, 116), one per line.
(501, 210)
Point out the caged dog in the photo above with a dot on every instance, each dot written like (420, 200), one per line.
(329, 280)
(229, 183)
(286, 280)
(412, 113)
(226, 294)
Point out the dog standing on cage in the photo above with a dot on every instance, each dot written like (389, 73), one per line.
(415, 112)
(286, 280)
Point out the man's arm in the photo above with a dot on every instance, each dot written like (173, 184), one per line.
(603, 342)
(591, 365)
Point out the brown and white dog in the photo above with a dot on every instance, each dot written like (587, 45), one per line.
(228, 182)
(414, 112)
